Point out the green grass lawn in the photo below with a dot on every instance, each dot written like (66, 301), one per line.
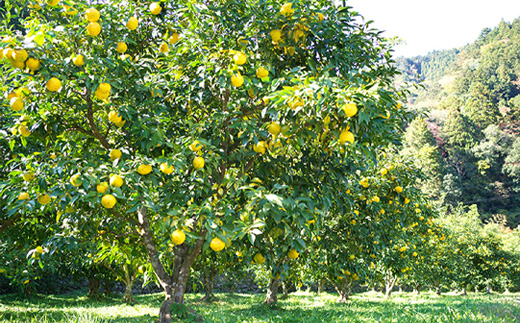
(300, 307)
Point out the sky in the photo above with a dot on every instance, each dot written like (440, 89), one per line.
(426, 25)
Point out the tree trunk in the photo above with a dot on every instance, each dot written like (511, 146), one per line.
(488, 287)
(400, 288)
(476, 289)
(463, 293)
(321, 284)
(129, 283)
(389, 283)
(343, 290)
(285, 290)
(107, 285)
(174, 285)
(438, 290)
(272, 292)
(417, 289)
(507, 290)
(93, 286)
(209, 283)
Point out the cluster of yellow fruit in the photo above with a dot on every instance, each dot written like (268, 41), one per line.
(18, 57)
(102, 93)
(42, 199)
(114, 116)
(93, 28)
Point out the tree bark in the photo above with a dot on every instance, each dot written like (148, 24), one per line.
(129, 283)
(389, 283)
(417, 289)
(107, 284)
(463, 293)
(285, 290)
(209, 283)
(476, 289)
(93, 286)
(174, 285)
(272, 292)
(321, 284)
(343, 290)
(438, 290)
(488, 287)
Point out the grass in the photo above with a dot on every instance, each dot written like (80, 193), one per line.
(243, 308)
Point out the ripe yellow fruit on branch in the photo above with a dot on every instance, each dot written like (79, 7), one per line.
(178, 237)
(92, 15)
(144, 169)
(262, 73)
(216, 244)
(198, 163)
(108, 201)
(24, 131)
(346, 136)
(114, 117)
(260, 147)
(28, 176)
(44, 199)
(115, 154)
(132, 23)
(259, 258)
(20, 55)
(121, 47)
(164, 48)
(293, 254)
(276, 35)
(53, 85)
(79, 60)
(195, 146)
(39, 249)
(237, 80)
(166, 169)
(287, 9)
(155, 8)
(274, 128)
(16, 104)
(240, 58)
(102, 187)
(350, 109)
(116, 180)
(398, 189)
(23, 196)
(74, 180)
(33, 64)
(93, 29)
(52, 3)
(173, 38)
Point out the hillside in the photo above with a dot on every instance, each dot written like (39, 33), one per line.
(469, 140)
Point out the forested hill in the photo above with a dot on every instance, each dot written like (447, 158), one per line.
(469, 141)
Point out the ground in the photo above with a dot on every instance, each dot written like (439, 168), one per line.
(243, 308)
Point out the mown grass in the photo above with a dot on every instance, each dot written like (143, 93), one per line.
(244, 308)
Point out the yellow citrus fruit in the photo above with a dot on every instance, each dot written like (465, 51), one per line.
(120, 123)
(384, 171)
(108, 201)
(24, 131)
(165, 168)
(346, 136)
(93, 29)
(259, 147)
(101, 95)
(116, 180)
(195, 146)
(287, 9)
(320, 16)
(53, 84)
(259, 258)
(92, 14)
(115, 154)
(174, 38)
(178, 237)
(398, 189)
(293, 254)
(69, 10)
(39, 249)
(20, 65)
(78, 60)
(276, 35)
(262, 73)
(274, 128)
(102, 187)
(144, 169)
(240, 58)
(52, 3)
(74, 180)
(406, 200)
(198, 163)
(44, 199)
(237, 80)
(28, 176)
(8, 53)
(114, 117)
(104, 87)
(216, 244)
(155, 8)
(20, 55)
(11, 95)
(164, 48)
(121, 47)
(132, 23)
(33, 64)
(350, 109)
(16, 104)
(23, 196)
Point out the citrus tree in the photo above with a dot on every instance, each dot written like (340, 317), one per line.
(162, 115)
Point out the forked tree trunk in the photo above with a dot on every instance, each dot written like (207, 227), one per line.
(342, 289)
(129, 283)
(390, 280)
(272, 292)
(93, 286)
(174, 285)
(209, 283)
